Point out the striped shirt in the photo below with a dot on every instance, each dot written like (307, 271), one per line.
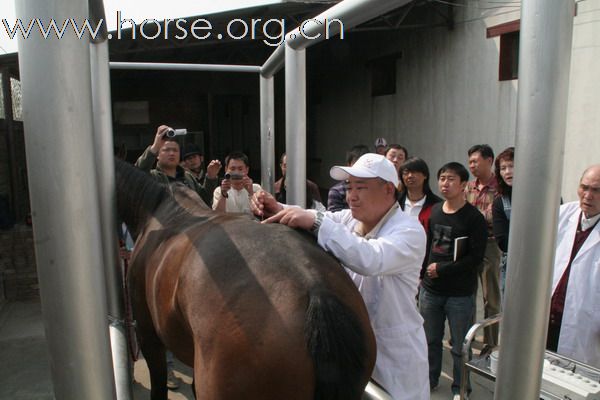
(482, 197)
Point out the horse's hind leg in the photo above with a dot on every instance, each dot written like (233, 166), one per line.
(154, 353)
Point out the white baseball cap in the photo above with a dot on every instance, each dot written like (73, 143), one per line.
(369, 165)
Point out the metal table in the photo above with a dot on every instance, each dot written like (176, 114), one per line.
(481, 365)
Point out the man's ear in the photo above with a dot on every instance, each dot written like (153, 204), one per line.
(390, 188)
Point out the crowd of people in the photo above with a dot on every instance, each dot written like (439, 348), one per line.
(417, 258)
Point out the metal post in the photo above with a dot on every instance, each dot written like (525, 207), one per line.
(267, 133)
(104, 149)
(295, 125)
(57, 109)
(10, 145)
(545, 56)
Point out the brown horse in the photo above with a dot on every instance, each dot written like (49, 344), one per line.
(259, 311)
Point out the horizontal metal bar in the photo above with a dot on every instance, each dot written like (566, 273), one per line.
(185, 67)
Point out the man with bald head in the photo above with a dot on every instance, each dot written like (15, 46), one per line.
(574, 326)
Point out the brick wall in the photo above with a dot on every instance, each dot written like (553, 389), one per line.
(18, 274)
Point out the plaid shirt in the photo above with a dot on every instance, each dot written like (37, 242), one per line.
(482, 197)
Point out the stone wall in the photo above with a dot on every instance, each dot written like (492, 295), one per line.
(18, 274)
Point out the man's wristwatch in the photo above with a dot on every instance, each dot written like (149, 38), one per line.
(318, 221)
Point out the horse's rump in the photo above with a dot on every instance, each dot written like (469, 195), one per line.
(258, 310)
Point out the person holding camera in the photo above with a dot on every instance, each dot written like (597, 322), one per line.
(237, 188)
(165, 152)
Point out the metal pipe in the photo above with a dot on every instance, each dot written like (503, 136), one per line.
(274, 63)
(295, 126)
(103, 145)
(267, 133)
(184, 67)
(57, 105)
(544, 63)
(350, 12)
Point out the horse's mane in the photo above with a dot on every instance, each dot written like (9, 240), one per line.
(138, 195)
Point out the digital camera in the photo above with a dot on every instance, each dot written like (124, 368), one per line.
(170, 133)
(234, 177)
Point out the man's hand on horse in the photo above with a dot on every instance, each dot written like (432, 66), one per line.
(159, 139)
(294, 217)
(263, 204)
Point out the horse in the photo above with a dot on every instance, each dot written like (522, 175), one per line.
(258, 311)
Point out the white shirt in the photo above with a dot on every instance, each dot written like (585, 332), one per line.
(237, 200)
(385, 265)
(587, 223)
(413, 209)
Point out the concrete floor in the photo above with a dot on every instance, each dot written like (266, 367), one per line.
(25, 370)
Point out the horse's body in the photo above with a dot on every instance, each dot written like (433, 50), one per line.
(259, 312)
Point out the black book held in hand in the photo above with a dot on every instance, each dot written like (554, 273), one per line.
(460, 247)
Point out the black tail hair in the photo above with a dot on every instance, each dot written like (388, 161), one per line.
(336, 343)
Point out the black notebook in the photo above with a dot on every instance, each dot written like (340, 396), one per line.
(460, 247)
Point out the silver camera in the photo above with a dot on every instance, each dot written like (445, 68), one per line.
(175, 132)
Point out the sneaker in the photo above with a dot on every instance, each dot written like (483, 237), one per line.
(457, 397)
(172, 381)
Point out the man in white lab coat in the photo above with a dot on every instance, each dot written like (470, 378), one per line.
(574, 326)
(382, 249)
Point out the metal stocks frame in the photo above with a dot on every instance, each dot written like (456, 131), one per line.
(66, 103)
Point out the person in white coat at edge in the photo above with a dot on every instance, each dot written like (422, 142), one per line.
(382, 249)
(574, 325)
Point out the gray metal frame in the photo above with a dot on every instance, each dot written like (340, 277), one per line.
(544, 64)
(57, 105)
(65, 200)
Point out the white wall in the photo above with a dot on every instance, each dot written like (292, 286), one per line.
(582, 147)
(448, 96)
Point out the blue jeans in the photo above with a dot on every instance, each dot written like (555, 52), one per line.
(459, 312)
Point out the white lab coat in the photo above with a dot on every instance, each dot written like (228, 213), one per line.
(580, 329)
(385, 268)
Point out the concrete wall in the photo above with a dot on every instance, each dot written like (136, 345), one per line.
(448, 96)
(582, 147)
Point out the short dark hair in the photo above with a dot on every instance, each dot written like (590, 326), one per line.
(484, 149)
(457, 168)
(507, 155)
(355, 152)
(237, 155)
(397, 147)
(415, 164)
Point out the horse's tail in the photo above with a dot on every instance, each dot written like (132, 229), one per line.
(337, 345)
